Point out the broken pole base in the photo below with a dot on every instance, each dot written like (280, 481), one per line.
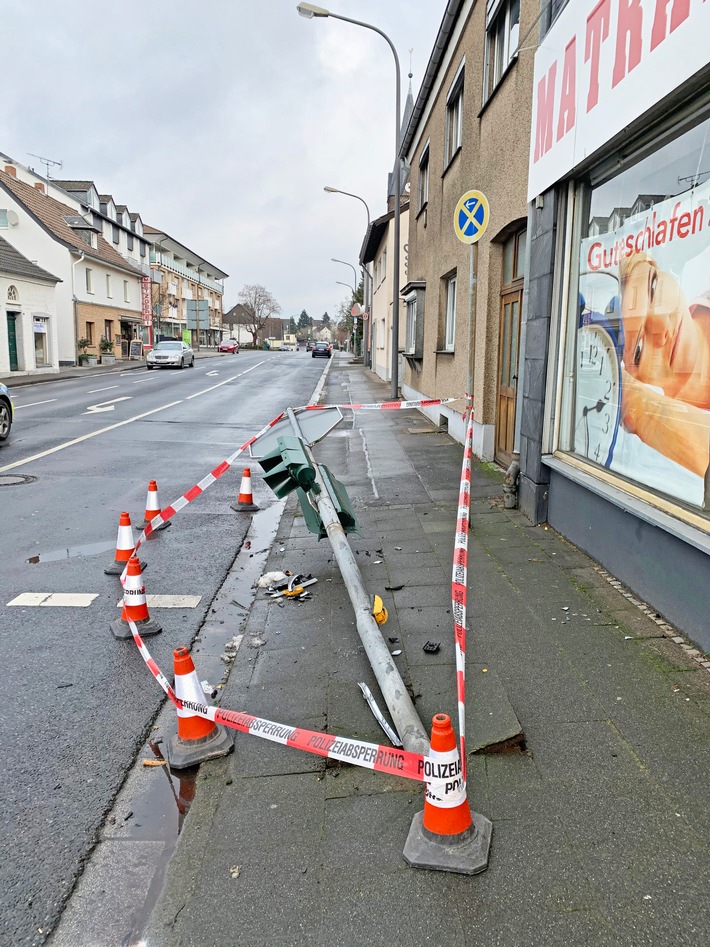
(466, 856)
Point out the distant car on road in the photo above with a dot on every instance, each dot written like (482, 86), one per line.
(6, 412)
(309, 345)
(229, 345)
(321, 350)
(170, 354)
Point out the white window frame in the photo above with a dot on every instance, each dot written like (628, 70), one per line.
(89, 280)
(450, 325)
(454, 115)
(498, 19)
(126, 291)
(424, 177)
(109, 294)
(410, 323)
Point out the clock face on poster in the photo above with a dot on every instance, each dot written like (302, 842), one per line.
(598, 394)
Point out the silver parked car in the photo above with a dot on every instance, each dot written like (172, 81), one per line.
(170, 354)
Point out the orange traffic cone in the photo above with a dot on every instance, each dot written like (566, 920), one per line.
(135, 607)
(447, 835)
(125, 545)
(198, 739)
(245, 500)
(152, 507)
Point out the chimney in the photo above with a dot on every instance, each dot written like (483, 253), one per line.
(39, 186)
(10, 169)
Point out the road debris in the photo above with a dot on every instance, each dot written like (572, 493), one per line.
(397, 653)
(379, 716)
(235, 871)
(155, 762)
(272, 578)
(431, 647)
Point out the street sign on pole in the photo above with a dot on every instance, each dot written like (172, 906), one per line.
(471, 216)
(314, 426)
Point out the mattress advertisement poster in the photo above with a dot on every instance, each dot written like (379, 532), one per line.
(642, 360)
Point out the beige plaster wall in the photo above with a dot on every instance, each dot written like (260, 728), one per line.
(493, 159)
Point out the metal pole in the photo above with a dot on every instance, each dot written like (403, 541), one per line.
(471, 329)
(406, 720)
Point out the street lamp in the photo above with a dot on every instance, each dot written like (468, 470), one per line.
(353, 299)
(368, 279)
(345, 263)
(310, 10)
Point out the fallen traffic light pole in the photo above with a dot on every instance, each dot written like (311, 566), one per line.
(327, 511)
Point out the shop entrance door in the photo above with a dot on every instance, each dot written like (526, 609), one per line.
(12, 340)
(507, 375)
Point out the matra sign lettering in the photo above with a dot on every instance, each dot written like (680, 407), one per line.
(604, 64)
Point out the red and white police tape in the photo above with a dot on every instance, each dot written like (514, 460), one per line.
(384, 759)
(382, 405)
(459, 577)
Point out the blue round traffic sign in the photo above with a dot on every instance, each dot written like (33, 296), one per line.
(471, 216)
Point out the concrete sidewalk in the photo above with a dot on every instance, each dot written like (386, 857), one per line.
(601, 817)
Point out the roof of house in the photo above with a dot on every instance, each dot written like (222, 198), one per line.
(375, 233)
(149, 231)
(52, 215)
(73, 185)
(13, 263)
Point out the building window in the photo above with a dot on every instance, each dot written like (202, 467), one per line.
(450, 327)
(90, 333)
(126, 292)
(454, 117)
(108, 286)
(502, 37)
(89, 280)
(514, 258)
(142, 247)
(550, 14)
(3, 220)
(424, 177)
(115, 234)
(12, 295)
(411, 336)
(108, 328)
(636, 398)
(40, 326)
(129, 241)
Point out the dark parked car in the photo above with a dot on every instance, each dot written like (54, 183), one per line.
(229, 345)
(5, 413)
(309, 345)
(321, 350)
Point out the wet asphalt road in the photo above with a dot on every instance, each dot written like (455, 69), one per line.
(77, 704)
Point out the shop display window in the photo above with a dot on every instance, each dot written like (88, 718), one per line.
(636, 398)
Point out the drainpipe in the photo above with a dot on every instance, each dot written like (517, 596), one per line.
(75, 302)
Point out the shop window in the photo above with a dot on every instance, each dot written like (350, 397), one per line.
(502, 36)
(636, 397)
(454, 117)
(450, 321)
(40, 329)
(424, 177)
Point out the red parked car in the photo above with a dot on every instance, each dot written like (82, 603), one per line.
(229, 345)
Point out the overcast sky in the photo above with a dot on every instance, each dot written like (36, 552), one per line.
(220, 121)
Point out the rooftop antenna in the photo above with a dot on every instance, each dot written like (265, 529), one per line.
(47, 162)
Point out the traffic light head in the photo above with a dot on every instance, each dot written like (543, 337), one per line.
(288, 467)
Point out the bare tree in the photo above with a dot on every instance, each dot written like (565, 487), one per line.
(259, 306)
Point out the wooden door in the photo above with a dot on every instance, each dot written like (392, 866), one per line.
(510, 306)
(12, 341)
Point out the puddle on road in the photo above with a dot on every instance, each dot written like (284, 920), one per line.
(156, 809)
(89, 549)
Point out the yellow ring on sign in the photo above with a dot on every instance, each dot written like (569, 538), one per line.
(469, 226)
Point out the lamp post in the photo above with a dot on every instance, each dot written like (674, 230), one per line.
(345, 263)
(354, 292)
(310, 10)
(368, 278)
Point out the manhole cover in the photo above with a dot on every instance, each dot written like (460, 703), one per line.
(15, 480)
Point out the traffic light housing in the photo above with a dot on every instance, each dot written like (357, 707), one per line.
(338, 497)
(288, 467)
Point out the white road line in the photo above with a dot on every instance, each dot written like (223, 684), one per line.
(106, 405)
(170, 601)
(96, 390)
(54, 599)
(211, 373)
(86, 437)
(226, 381)
(34, 404)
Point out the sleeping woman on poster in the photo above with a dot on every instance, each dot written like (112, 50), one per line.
(666, 365)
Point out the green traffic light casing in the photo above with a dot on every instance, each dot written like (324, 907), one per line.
(340, 500)
(288, 467)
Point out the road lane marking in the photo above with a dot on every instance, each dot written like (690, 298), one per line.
(211, 373)
(34, 404)
(105, 405)
(170, 601)
(86, 437)
(95, 391)
(55, 599)
(226, 381)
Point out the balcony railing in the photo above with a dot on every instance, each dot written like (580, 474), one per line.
(161, 259)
